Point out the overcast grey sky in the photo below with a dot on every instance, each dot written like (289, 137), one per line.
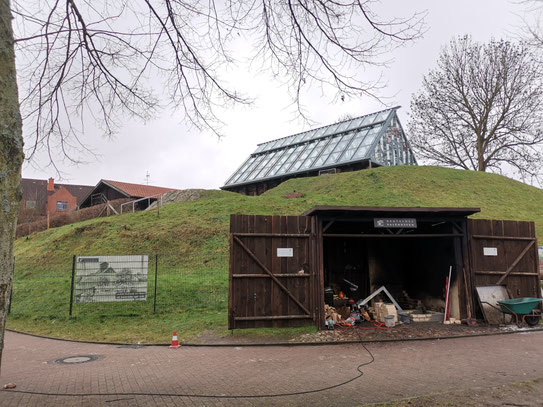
(182, 157)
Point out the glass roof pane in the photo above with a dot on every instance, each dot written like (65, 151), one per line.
(355, 123)
(329, 148)
(382, 116)
(332, 158)
(296, 166)
(348, 154)
(246, 166)
(316, 151)
(252, 168)
(290, 160)
(370, 137)
(267, 166)
(260, 148)
(278, 164)
(361, 152)
(309, 135)
(319, 161)
(369, 119)
(343, 126)
(331, 129)
(270, 145)
(280, 143)
(319, 132)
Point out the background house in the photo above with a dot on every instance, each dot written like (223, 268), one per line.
(107, 190)
(372, 140)
(43, 197)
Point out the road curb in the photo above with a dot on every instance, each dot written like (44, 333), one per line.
(231, 345)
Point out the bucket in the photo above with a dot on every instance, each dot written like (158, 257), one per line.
(389, 321)
(403, 316)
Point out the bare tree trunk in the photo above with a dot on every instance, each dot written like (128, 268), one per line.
(11, 159)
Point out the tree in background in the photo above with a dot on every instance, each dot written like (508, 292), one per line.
(88, 61)
(481, 109)
(532, 32)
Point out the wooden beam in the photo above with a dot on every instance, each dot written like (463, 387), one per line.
(412, 235)
(271, 318)
(517, 260)
(300, 235)
(501, 273)
(268, 276)
(503, 237)
(328, 226)
(263, 267)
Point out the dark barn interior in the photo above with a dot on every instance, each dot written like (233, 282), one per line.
(413, 269)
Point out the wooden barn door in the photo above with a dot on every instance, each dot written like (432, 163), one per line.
(267, 286)
(505, 253)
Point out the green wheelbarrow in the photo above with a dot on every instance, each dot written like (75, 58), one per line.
(522, 309)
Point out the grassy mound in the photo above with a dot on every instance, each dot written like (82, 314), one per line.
(191, 239)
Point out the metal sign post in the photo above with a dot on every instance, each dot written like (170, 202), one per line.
(156, 275)
(72, 286)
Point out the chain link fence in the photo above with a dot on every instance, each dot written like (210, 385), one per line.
(94, 286)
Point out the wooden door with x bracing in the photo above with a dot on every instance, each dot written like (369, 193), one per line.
(504, 252)
(270, 272)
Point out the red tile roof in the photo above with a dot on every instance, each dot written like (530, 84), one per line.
(137, 190)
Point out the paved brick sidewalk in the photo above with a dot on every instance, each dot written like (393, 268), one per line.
(400, 370)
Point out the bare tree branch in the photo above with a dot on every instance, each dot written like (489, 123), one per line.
(482, 109)
(94, 60)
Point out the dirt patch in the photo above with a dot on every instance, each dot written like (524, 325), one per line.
(513, 394)
(365, 332)
(423, 330)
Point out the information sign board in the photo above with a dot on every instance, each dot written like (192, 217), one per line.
(111, 278)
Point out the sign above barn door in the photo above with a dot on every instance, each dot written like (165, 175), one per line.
(395, 223)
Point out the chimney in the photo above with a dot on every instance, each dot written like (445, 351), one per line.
(51, 185)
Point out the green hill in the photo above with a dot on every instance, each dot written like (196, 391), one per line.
(192, 240)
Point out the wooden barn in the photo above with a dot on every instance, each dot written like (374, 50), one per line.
(108, 190)
(372, 140)
(282, 266)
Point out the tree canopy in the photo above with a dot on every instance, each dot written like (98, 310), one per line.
(481, 108)
(109, 60)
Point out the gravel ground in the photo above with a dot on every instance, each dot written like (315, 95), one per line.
(365, 332)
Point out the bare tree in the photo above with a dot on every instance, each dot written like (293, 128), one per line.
(83, 61)
(532, 31)
(481, 109)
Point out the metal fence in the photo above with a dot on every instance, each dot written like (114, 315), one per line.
(95, 286)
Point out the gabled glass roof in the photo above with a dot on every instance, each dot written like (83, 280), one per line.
(333, 145)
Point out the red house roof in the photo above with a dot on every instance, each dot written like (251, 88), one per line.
(137, 190)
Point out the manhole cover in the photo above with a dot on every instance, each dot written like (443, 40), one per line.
(73, 360)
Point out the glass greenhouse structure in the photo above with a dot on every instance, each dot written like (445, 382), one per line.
(375, 139)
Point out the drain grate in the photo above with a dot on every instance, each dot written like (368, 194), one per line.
(77, 359)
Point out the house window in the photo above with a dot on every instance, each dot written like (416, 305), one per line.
(62, 205)
(30, 204)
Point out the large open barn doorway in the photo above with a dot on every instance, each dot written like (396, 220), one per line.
(413, 270)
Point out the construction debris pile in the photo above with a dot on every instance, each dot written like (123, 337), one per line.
(380, 310)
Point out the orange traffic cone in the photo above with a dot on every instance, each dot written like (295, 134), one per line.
(175, 342)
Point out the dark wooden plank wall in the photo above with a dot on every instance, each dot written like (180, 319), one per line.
(255, 299)
(510, 238)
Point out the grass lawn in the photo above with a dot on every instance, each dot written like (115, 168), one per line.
(191, 239)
